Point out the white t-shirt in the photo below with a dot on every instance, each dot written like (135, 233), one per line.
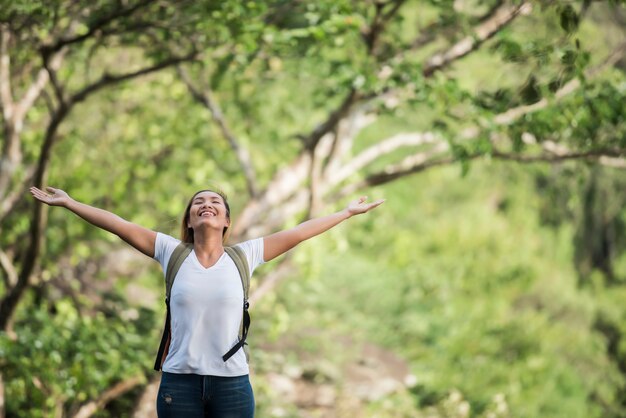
(206, 308)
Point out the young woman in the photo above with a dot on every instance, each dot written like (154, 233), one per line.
(206, 298)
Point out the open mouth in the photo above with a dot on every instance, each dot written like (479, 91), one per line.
(206, 213)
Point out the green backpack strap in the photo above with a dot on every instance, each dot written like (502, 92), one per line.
(241, 262)
(176, 260)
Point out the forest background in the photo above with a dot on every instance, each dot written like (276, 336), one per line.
(492, 282)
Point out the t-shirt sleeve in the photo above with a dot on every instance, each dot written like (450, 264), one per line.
(163, 249)
(253, 249)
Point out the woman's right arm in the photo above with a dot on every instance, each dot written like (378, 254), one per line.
(141, 238)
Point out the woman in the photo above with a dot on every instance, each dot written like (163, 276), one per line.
(205, 302)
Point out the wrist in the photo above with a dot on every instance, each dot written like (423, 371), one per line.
(67, 204)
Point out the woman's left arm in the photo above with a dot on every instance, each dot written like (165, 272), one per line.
(281, 242)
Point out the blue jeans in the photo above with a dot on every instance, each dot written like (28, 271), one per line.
(196, 396)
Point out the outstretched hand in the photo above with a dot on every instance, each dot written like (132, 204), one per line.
(53, 197)
(359, 206)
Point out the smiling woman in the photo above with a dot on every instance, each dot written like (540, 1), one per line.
(205, 310)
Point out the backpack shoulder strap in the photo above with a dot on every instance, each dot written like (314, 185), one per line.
(241, 262)
(176, 260)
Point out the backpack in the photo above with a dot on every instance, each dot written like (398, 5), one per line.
(176, 260)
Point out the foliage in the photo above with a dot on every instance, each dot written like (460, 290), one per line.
(45, 367)
(478, 296)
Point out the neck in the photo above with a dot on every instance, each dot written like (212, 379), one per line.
(207, 241)
(207, 247)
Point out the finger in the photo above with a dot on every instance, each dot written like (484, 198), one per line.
(40, 191)
(39, 195)
(375, 204)
(35, 191)
(51, 189)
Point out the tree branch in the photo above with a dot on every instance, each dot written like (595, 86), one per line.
(384, 147)
(108, 79)
(33, 92)
(95, 26)
(429, 33)
(205, 98)
(563, 155)
(11, 150)
(347, 130)
(113, 392)
(12, 154)
(409, 165)
(552, 153)
(381, 18)
(6, 96)
(502, 17)
(9, 269)
(10, 202)
(56, 85)
(311, 140)
(321, 152)
(612, 162)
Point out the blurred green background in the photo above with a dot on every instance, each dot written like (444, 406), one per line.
(491, 283)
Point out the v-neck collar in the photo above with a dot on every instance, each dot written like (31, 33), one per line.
(199, 264)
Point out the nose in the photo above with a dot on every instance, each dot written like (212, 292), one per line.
(206, 205)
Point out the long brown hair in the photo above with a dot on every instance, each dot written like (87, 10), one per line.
(186, 233)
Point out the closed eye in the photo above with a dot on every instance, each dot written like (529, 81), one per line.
(214, 202)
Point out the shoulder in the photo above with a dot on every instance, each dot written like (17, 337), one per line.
(250, 246)
(164, 246)
(166, 240)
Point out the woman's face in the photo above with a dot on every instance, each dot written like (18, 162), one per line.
(208, 210)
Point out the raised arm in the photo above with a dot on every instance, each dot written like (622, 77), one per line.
(139, 237)
(281, 242)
